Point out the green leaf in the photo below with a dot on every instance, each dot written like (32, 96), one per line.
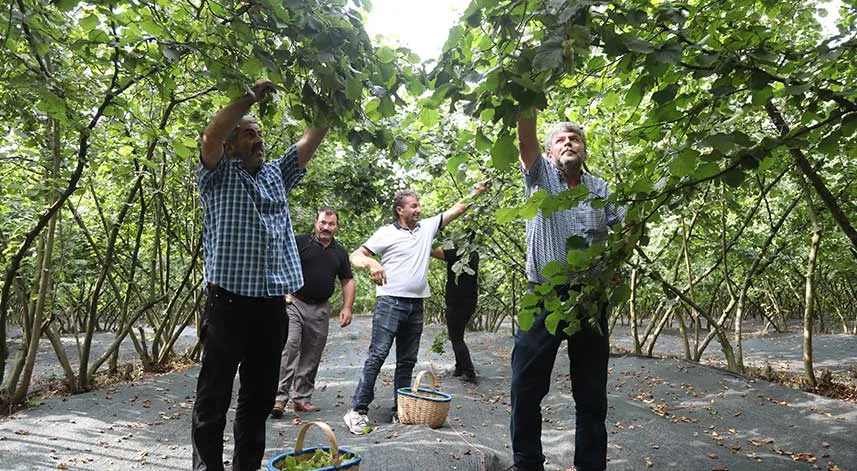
(554, 269)
(89, 22)
(455, 162)
(387, 107)
(707, 169)
(638, 45)
(149, 26)
(181, 150)
(482, 142)
(552, 321)
(506, 215)
(549, 56)
(526, 318)
(454, 36)
(720, 141)
(429, 117)
(504, 153)
(385, 55)
(66, 5)
(669, 54)
(668, 93)
(635, 94)
(353, 88)
(684, 164)
(733, 177)
(620, 294)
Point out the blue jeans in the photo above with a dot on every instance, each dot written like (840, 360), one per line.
(394, 318)
(532, 364)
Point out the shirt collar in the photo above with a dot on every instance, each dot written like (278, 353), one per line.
(399, 226)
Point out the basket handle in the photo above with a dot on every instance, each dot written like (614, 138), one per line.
(334, 447)
(415, 388)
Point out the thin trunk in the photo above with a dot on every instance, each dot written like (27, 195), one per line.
(92, 315)
(809, 298)
(114, 90)
(158, 357)
(739, 332)
(650, 348)
(633, 314)
(44, 277)
(62, 358)
(682, 328)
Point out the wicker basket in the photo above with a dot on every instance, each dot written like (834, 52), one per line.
(418, 405)
(302, 454)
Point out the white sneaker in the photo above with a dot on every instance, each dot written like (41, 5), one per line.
(357, 423)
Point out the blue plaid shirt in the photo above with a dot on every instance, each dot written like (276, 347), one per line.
(247, 235)
(547, 237)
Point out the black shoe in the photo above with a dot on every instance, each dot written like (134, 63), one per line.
(456, 372)
(469, 376)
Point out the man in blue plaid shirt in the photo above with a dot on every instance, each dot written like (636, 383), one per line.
(251, 263)
(535, 349)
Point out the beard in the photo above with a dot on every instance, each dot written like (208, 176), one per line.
(570, 162)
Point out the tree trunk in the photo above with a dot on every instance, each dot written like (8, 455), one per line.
(633, 310)
(814, 179)
(44, 276)
(809, 298)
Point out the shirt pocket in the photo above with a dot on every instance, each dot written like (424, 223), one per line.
(594, 220)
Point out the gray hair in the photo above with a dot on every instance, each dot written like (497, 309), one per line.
(399, 200)
(246, 119)
(564, 126)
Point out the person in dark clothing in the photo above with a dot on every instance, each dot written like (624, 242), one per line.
(461, 296)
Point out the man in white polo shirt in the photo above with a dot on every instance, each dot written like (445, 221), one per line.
(402, 283)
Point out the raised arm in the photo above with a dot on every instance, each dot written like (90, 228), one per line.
(308, 144)
(459, 208)
(528, 140)
(361, 258)
(214, 136)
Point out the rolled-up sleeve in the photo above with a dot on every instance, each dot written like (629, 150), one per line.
(288, 165)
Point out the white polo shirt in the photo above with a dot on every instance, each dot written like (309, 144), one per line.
(405, 257)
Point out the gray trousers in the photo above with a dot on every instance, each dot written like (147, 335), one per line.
(308, 325)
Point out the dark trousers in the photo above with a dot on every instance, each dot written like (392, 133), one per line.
(459, 310)
(246, 335)
(532, 363)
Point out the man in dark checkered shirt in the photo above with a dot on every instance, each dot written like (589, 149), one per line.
(251, 263)
(535, 349)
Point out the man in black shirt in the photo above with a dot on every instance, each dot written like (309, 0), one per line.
(322, 261)
(462, 293)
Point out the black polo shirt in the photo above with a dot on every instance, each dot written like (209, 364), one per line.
(463, 285)
(321, 266)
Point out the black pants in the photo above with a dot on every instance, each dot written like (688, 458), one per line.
(243, 334)
(532, 365)
(459, 310)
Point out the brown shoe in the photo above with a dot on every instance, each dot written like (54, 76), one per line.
(278, 410)
(306, 407)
